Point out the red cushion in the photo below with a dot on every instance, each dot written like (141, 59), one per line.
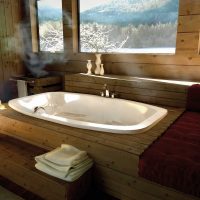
(174, 159)
(193, 99)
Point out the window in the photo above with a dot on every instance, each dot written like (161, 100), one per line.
(50, 25)
(128, 26)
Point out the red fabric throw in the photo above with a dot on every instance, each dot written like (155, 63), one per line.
(193, 100)
(174, 159)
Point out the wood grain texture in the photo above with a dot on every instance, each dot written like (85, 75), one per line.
(44, 84)
(136, 187)
(34, 27)
(143, 90)
(106, 149)
(10, 17)
(17, 164)
(189, 7)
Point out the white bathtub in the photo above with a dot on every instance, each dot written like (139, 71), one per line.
(91, 112)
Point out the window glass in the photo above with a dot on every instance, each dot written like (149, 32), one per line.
(128, 26)
(50, 25)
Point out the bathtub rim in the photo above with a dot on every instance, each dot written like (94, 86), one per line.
(118, 129)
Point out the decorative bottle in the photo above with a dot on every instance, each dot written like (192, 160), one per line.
(89, 67)
(102, 70)
(98, 63)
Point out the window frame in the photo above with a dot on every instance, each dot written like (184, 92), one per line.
(75, 26)
(76, 35)
(34, 21)
(34, 26)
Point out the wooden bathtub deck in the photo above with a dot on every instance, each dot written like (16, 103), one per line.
(111, 152)
(133, 143)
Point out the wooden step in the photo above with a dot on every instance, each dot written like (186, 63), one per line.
(18, 165)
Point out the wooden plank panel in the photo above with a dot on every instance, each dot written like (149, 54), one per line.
(5, 41)
(51, 80)
(128, 81)
(17, 17)
(176, 72)
(10, 15)
(138, 184)
(68, 6)
(187, 40)
(189, 59)
(15, 26)
(105, 148)
(74, 27)
(189, 7)
(128, 192)
(139, 98)
(37, 90)
(148, 91)
(19, 167)
(109, 139)
(3, 20)
(1, 68)
(1, 38)
(102, 154)
(129, 90)
(34, 30)
(189, 23)
(11, 44)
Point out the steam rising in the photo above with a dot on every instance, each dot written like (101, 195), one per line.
(21, 44)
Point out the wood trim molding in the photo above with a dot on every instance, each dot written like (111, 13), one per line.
(75, 26)
(199, 43)
(34, 26)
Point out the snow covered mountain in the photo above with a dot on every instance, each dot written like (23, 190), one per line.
(123, 12)
(49, 14)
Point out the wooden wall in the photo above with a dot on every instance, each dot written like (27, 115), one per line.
(148, 91)
(10, 17)
(185, 65)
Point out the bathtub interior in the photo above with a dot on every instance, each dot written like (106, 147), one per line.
(84, 108)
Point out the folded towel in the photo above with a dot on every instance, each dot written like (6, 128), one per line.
(62, 168)
(72, 176)
(66, 155)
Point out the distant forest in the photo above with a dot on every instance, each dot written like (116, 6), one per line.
(129, 24)
(107, 38)
(120, 24)
(50, 29)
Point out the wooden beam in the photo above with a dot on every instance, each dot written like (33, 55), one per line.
(75, 30)
(34, 26)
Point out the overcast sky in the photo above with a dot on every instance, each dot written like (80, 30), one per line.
(84, 4)
(87, 4)
(50, 3)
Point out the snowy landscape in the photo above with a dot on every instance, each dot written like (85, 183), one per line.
(125, 26)
(50, 25)
(128, 25)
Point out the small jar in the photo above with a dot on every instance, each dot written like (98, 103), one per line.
(89, 67)
(102, 70)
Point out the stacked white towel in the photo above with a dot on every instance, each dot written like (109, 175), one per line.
(66, 162)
